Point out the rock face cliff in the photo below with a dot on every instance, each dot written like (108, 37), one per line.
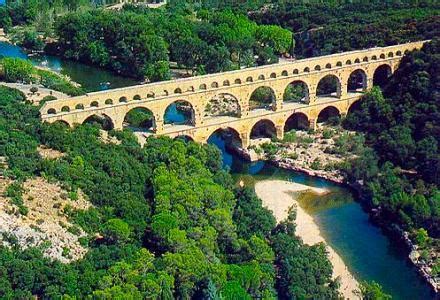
(46, 223)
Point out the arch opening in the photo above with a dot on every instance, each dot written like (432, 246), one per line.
(329, 86)
(65, 109)
(297, 121)
(262, 97)
(357, 82)
(382, 75)
(140, 119)
(263, 129)
(354, 107)
(223, 105)
(329, 115)
(79, 106)
(228, 140)
(297, 91)
(184, 138)
(180, 112)
(225, 138)
(61, 123)
(102, 121)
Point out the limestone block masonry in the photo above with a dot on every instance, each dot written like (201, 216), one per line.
(198, 91)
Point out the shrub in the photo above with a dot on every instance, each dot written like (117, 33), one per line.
(327, 133)
(290, 137)
(316, 164)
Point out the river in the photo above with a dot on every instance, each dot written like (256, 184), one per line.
(91, 78)
(367, 252)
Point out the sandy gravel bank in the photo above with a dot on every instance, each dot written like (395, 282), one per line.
(276, 196)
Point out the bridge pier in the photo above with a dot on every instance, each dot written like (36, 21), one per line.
(280, 131)
(313, 123)
(245, 140)
(278, 105)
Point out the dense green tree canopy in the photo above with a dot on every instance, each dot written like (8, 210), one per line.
(169, 221)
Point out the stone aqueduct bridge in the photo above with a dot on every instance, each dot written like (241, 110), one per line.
(199, 90)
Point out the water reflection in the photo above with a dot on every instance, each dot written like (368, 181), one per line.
(90, 78)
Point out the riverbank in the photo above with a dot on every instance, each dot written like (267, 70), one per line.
(39, 95)
(279, 196)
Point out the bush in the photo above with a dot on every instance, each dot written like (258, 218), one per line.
(270, 149)
(327, 133)
(316, 164)
(290, 137)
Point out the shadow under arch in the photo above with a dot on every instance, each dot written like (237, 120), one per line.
(100, 120)
(223, 104)
(382, 75)
(140, 119)
(329, 86)
(263, 129)
(329, 115)
(180, 112)
(297, 121)
(296, 91)
(357, 81)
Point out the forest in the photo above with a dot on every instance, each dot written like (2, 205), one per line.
(400, 169)
(171, 221)
(218, 35)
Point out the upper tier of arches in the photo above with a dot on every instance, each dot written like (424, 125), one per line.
(329, 85)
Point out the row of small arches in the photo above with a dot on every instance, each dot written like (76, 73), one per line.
(357, 73)
(284, 73)
(249, 79)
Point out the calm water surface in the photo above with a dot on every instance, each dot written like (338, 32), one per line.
(366, 251)
(91, 78)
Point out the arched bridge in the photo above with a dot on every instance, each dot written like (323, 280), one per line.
(298, 92)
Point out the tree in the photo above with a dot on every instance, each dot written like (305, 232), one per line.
(372, 291)
(33, 89)
(116, 230)
(279, 39)
(422, 237)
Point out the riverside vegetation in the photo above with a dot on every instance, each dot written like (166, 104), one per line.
(19, 70)
(394, 158)
(166, 220)
(218, 35)
(170, 222)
